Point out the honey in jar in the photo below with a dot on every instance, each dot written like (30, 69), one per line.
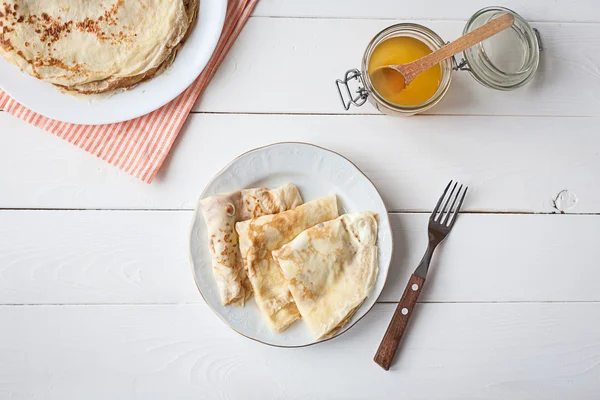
(403, 50)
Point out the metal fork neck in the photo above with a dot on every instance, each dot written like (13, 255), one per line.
(423, 267)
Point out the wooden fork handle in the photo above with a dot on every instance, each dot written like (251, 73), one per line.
(393, 335)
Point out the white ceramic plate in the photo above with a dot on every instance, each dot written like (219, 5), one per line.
(317, 172)
(146, 97)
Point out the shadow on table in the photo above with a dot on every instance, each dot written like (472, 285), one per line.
(400, 267)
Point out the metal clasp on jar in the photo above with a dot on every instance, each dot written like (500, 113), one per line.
(360, 93)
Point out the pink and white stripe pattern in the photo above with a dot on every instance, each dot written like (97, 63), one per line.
(140, 146)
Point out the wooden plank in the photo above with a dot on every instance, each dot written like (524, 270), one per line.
(539, 10)
(510, 163)
(273, 68)
(95, 257)
(500, 258)
(459, 351)
(98, 257)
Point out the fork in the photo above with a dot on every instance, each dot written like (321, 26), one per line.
(441, 222)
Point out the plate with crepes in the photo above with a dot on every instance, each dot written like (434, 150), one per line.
(104, 62)
(290, 244)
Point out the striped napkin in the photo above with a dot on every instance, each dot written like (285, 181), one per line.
(140, 146)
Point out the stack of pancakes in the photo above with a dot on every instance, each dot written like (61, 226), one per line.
(94, 46)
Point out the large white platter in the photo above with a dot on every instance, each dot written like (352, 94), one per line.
(317, 172)
(45, 99)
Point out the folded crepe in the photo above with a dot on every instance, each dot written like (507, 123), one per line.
(259, 237)
(94, 46)
(331, 268)
(221, 212)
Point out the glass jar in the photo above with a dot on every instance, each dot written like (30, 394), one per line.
(505, 62)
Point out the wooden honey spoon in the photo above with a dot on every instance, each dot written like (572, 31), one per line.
(395, 78)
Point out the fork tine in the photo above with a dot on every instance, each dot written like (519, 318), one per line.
(443, 210)
(446, 218)
(458, 208)
(437, 206)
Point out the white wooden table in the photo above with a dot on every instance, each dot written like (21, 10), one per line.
(97, 296)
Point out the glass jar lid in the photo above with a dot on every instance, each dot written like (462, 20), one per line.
(507, 60)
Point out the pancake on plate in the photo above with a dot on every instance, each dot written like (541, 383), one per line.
(331, 268)
(94, 46)
(259, 237)
(221, 212)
